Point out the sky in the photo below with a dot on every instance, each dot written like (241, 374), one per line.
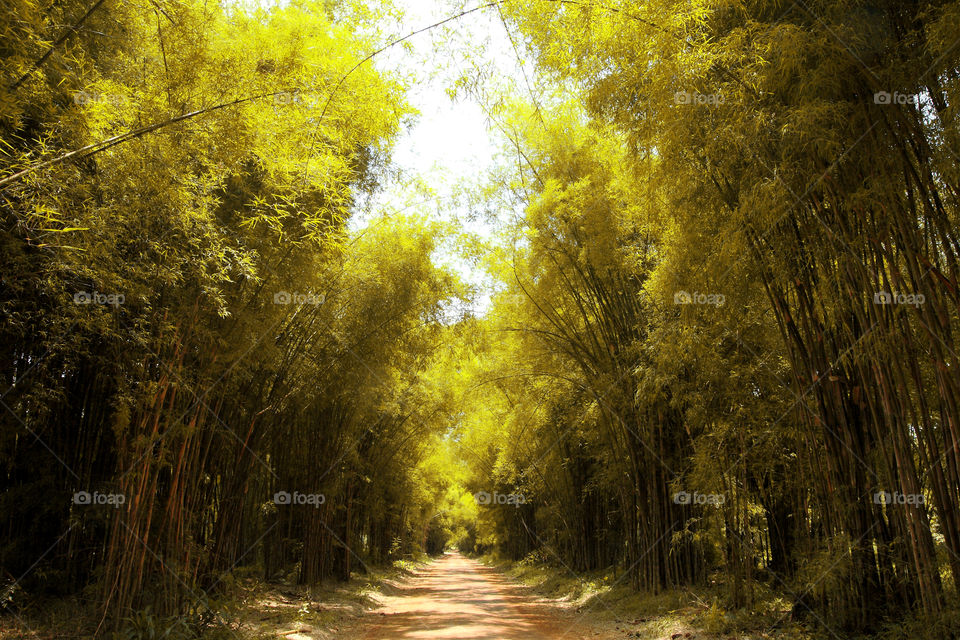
(451, 144)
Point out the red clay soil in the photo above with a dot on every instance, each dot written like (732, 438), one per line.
(456, 597)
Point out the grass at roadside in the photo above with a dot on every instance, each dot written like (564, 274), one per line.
(315, 613)
(703, 613)
(246, 609)
(611, 605)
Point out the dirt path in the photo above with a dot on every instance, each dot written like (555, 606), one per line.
(456, 597)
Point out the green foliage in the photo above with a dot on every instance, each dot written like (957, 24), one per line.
(145, 625)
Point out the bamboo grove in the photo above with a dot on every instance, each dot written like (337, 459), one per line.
(720, 350)
(725, 344)
(188, 326)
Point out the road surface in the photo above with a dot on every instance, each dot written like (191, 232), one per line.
(457, 597)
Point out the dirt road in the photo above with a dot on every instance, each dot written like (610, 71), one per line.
(456, 597)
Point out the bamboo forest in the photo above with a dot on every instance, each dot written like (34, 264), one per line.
(490, 319)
